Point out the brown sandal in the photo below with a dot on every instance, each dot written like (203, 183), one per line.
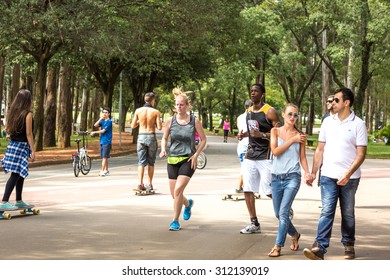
(294, 242)
(275, 252)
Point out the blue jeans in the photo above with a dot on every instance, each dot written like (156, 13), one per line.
(330, 194)
(284, 189)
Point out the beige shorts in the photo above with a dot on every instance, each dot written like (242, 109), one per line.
(256, 173)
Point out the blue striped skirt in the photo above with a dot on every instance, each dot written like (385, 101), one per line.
(15, 159)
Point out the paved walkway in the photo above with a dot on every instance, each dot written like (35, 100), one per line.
(96, 218)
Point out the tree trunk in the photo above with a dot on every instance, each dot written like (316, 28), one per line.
(385, 111)
(15, 86)
(76, 102)
(350, 66)
(377, 114)
(368, 119)
(311, 114)
(38, 101)
(122, 121)
(84, 109)
(2, 74)
(366, 46)
(51, 109)
(95, 107)
(325, 79)
(65, 102)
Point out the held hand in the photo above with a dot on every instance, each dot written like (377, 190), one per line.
(309, 179)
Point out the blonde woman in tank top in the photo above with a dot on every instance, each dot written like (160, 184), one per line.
(288, 148)
(182, 155)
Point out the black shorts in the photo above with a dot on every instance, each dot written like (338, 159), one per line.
(181, 168)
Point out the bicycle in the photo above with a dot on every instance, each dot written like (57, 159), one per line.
(202, 160)
(80, 160)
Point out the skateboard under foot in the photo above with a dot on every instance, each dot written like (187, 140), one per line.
(145, 192)
(22, 210)
(238, 196)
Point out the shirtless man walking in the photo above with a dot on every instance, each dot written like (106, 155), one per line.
(147, 118)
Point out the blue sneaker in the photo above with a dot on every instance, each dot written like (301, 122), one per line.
(175, 226)
(21, 204)
(187, 210)
(7, 206)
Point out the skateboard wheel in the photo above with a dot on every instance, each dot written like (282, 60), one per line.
(7, 216)
(224, 198)
(36, 211)
(236, 199)
(23, 212)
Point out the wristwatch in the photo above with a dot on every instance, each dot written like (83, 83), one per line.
(264, 135)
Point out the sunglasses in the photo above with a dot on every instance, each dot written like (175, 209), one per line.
(291, 114)
(329, 101)
(336, 100)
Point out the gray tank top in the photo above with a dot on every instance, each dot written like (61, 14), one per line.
(182, 138)
(288, 162)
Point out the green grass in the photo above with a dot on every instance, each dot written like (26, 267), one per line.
(378, 150)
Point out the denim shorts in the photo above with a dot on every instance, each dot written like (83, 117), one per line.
(105, 150)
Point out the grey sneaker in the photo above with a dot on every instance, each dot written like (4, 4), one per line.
(141, 188)
(349, 253)
(252, 228)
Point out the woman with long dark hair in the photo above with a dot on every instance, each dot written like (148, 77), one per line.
(19, 127)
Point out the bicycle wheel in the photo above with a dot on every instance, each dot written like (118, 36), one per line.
(76, 166)
(85, 165)
(202, 160)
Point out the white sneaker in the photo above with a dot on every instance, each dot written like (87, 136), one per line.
(106, 173)
(102, 174)
(251, 229)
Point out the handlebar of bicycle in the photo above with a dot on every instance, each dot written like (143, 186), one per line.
(83, 133)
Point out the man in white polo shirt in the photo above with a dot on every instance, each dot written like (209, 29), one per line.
(342, 146)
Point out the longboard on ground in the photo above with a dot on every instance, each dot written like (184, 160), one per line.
(144, 192)
(22, 210)
(238, 196)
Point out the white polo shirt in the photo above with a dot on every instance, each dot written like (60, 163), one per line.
(341, 141)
